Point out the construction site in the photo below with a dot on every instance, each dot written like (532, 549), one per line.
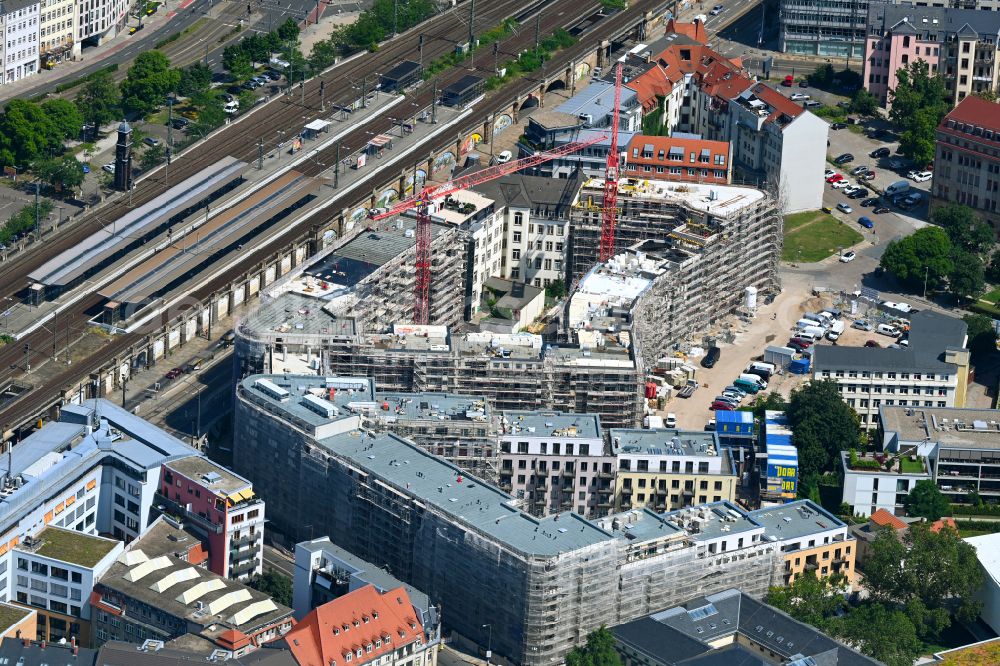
(541, 584)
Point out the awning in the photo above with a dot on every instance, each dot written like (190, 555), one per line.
(318, 125)
(380, 140)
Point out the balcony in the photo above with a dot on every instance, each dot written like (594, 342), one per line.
(247, 566)
(173, 508)
(569, 473)
(605, 475)
(244, 540)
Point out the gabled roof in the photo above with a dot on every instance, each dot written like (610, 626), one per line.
(694, 30)
(976, 111)
(885, 519)
(939, 525)
(780, 104)
(364, 623)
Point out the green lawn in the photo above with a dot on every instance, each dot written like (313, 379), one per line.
(814, 236)
(911, 466)
(992, 296)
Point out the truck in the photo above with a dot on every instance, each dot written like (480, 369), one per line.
(652, 421)
(835, 330)
(899, 187)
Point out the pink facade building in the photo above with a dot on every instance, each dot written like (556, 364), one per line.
(222, 508)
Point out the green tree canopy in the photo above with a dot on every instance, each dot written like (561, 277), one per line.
(823, 426)
(965, 228)
(272, 583)
(147, 83)
(881, 632)
(323, 54)
(61, 172)
(65, 116)
(257, 47)
(195, 78)
(237, 62)
(982, 336)
(599, 650)
(99, 100)
(288, 31)
(924, 254)
(811, 599)
(968, 275)
(864, 103)
(919, 103)
(926, 501)
(152, 157)
(26, 133)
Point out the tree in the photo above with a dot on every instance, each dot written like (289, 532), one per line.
(257, 47)
(65, 116)
(147, 83)
(99, 100)
(323, 54)
(288, 31)
(768, 401)
(237, 62)
(247, 100)
(210, 113)
(26, 133)
(823, 426)
(993, 270)
(937, 569)
(822, 76)
(555, 290)
(62, 172)
(923, 255)
(152, 157)
(195, 78)
(926, 501)
(968, 277)
(599, 650)
(811, 599)
(919, 103)
(864, 103)
(277, 586)
(982, 335)
(965, 228)
(987, 94)
(883, 633)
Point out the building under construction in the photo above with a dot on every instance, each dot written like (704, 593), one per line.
(734, 231)
(539, 585)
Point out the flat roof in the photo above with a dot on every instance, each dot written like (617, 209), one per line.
(541, 423)
(665, 442)
(432, 406)
(212, 475)
(951, 426)
(413, 472)
(638, 525)
(795, 520)
(11, 615)
(402, 70)
(347, 391)
(598, 101)
(988, 552)
(69, 546)
(719, 200)
(298, 314)
(710, 519)
(463, 84)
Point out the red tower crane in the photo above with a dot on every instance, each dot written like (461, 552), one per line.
(610, 203)
(422, 200)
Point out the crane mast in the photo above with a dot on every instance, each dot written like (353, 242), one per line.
(609, 214)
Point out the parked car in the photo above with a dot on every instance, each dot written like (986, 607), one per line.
(871, 201)
(866, 222)
(858, 193)
(174, 373)
(811, 104)
(834, 178)
(861, 325)
(922, 176)
(905, 308)
(867, 175)
(851, 189)
(840, 184)
(798, 97)
(181, 123)
(844, 208)
(109, 167)
(711, 357)
(800, 342)
(847, 257)
(879, 210)
(895, 163)
(844, 158)
(504, 156)
(880, 152)
(872, 343)
(838, 126)
(151, 141)
(273, 75)
(716, 10)
(671, 420)
(733, 389)
(803, 84)
(828, 173)
(859, 169)
(721, 406)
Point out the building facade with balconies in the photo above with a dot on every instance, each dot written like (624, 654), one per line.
(967, 158)
(221, 506)
(552, 462)
(667, 469)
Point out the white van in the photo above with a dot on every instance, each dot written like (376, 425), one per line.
(888, 329)
(231, 107)
(835, 331)
(898, 187)
(759, 381)
(804, 323)
(827, 318)
(812, 332)
(769, 368)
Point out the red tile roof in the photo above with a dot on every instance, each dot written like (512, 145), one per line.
(939, 525)
(234, 639)
(777, 101)
(714, 73)
(363, 623)
(197, 554)
(695, 30)
(634, 158)
(886, 519)
(976, 111)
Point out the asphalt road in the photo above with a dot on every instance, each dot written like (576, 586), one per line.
(275, 560)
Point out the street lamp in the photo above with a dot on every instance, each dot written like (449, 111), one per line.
(489, 642)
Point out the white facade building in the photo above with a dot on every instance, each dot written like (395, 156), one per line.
(988, 552)
(20, 25)
(99, 20)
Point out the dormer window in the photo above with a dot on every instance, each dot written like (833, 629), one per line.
(347, 656)
(368, 648)
(365, 618)
(360, 652)
(378, 643)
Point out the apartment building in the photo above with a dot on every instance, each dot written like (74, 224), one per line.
(729, 627)
(667, 469)
(932, 371)
(554, 462)
(53, 573)
(222, 508)
(155, 653)
(967, 158)
(812, 540)
(832, 29)
(100, 20)
(26, 652)
(672, 158)
(150, 593)
(56, 32)
(686, 264)
(324, 571)
(494, 568)
(959, 449)
(775, 143)
(20, 19)
(534, 237)
(958, 44)
(365, 626)
(590, 161)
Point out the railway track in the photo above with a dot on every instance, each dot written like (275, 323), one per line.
(240, 141)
